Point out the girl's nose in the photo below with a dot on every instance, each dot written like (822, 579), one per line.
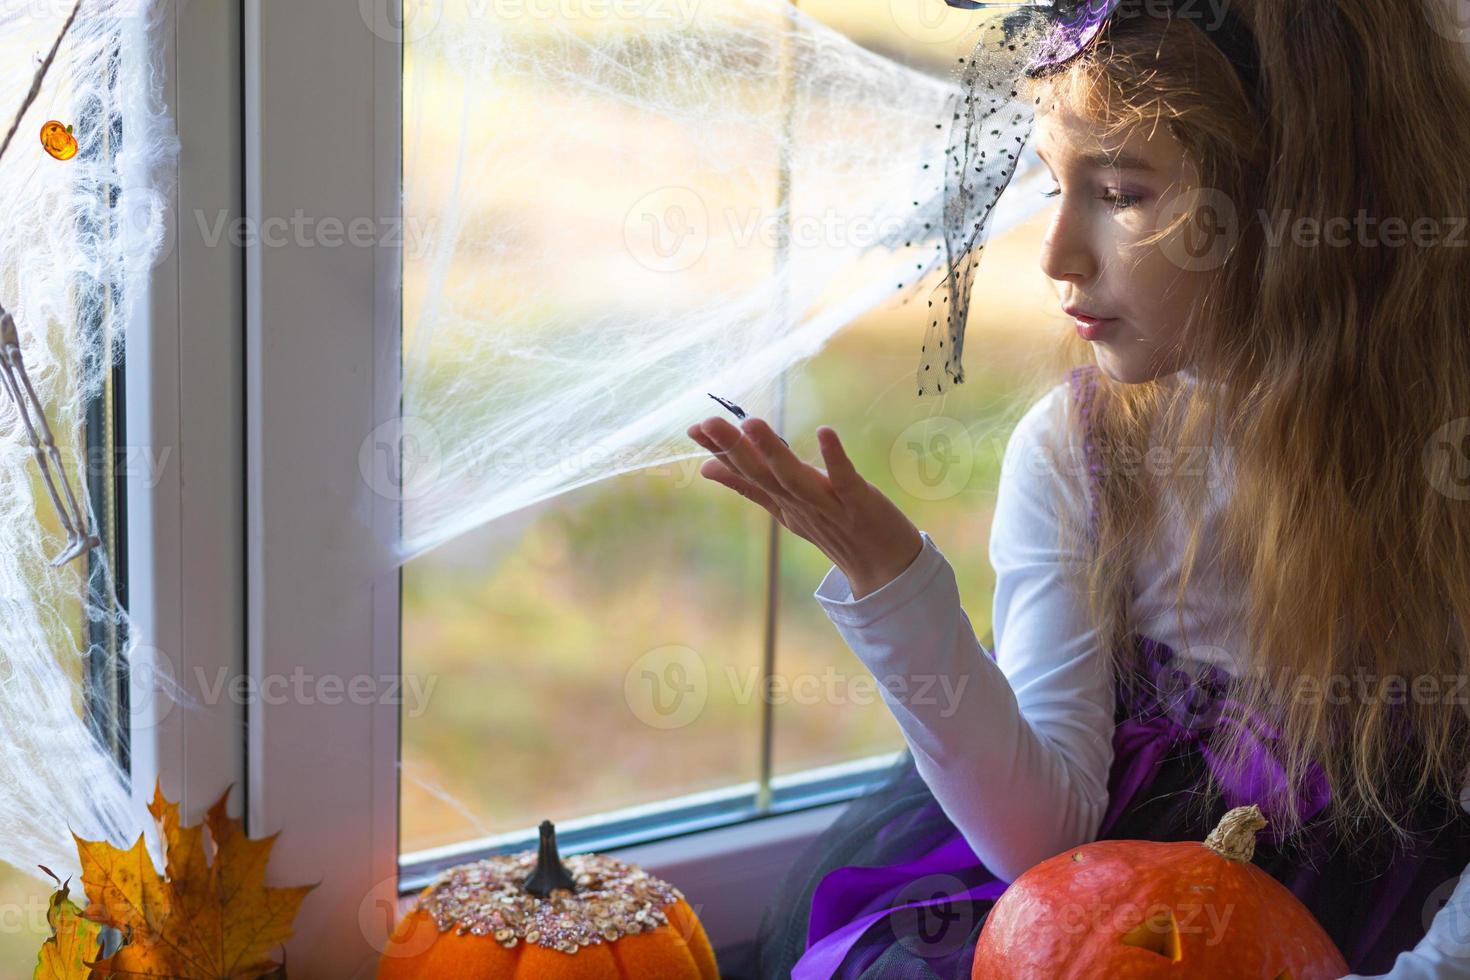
(1066, 252)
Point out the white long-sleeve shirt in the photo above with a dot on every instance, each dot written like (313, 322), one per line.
(1017, 750)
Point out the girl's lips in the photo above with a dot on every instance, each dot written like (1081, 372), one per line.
(1091, 328)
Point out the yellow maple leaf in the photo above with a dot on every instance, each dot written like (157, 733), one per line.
(204, 919)
(76, 943)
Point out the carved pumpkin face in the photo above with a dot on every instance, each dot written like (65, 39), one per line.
(1143, 909)
(594, 917)
(57, 139)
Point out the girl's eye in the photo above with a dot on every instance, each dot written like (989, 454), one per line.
(1121, 201)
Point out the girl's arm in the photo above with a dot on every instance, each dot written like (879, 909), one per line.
(1017, 749)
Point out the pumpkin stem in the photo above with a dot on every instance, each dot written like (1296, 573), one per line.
(1235, 837)
(550, 873)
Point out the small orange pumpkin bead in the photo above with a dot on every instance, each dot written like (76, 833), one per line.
(57, 139)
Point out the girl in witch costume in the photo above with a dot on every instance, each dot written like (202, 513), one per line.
(1231, 545)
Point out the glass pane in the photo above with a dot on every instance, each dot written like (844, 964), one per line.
(90, 445)
(545, 654)
(597, 652)
(576, 663)
(937, 459)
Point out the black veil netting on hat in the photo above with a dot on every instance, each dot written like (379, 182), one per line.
(989, 127)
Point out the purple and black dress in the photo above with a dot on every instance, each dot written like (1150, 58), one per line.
(850, 908)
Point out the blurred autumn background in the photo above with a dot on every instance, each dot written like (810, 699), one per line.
(520, 638)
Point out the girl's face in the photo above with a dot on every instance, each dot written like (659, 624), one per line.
(1112, 197)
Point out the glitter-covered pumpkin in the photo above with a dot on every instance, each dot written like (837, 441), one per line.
(1144, 909)
(531, 915)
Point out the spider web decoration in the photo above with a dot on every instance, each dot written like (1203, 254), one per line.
(78, 242)
(702, 131)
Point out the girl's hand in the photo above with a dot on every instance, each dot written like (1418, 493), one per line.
(863, 532)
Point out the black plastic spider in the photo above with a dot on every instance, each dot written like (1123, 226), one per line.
(737, 411)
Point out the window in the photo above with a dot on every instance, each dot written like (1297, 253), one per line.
(321, 351)
(597, 660)
(90, 439)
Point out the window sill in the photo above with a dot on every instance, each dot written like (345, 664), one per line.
(727, 874)
(726, 869)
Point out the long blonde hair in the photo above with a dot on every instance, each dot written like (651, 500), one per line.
(1338, 377)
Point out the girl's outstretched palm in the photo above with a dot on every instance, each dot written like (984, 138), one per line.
(850, 520)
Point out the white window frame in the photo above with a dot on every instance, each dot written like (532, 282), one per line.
(183, 403)
(321, 352)
(260, 370)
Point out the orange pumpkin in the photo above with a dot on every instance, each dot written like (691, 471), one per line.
(1131, 909)
(57, 139)
(593, 917)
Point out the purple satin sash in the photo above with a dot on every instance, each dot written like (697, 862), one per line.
(1179, 706)
(853, 887)
(1166, 717)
